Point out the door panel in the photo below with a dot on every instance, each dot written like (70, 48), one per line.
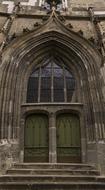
(68, 138)
(36, 138)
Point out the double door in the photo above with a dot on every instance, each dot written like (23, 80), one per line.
(36, 139)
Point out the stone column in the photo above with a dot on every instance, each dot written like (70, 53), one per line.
(52, 139)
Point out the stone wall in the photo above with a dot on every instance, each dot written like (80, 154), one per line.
(85, 26)
(9, 153)
(20, 24)
(85, 3)
(28, 16)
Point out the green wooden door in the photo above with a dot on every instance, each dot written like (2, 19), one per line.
(36, 138)
(68, 138)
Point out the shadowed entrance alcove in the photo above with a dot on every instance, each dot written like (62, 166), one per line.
(53, 82)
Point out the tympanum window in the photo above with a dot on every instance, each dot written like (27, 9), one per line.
(51, 83)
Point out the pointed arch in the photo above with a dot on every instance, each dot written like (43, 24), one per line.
(28, 52)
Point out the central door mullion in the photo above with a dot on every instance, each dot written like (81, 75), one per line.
(52, 139)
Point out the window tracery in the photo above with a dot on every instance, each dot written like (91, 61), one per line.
(51, 82)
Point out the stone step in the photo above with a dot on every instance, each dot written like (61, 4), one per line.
(52, 186)
(54, 166)
(53, 171)
(47, 176)
(101, 178)
(50, 178)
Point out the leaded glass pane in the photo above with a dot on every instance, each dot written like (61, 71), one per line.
(51, 83)
(58, 89)
(32, 91)
(45, 89)
(45, 95)
(46, 71)
(70, 85)
(58, 84)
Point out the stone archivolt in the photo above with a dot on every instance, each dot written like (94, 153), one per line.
(54, 39)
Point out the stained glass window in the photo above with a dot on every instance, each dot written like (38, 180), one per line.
(51, 82)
